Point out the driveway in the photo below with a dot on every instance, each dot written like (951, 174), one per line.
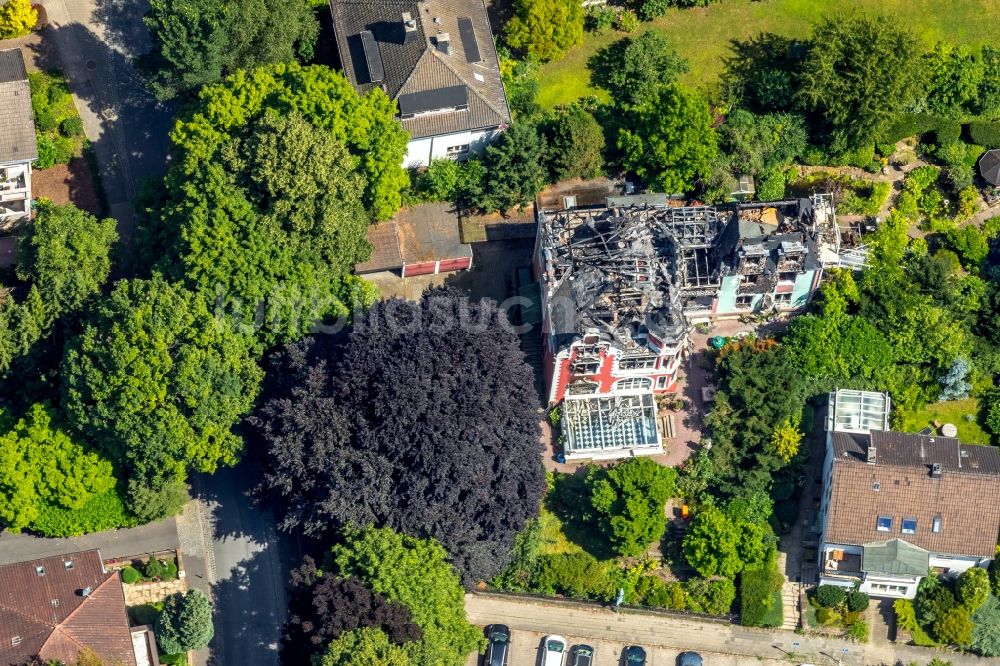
(96, 40)
(157, 536)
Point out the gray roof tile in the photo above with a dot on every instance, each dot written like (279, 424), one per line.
(17, 122)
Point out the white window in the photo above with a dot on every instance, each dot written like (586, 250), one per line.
(633, 384)
(661, 382)
(455, 151)
(884, 524)
(15, 641)
(909, 526)
(783, 299)
(40, 570)
(936, 526)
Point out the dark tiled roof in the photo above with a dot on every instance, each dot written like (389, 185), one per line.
(989, 166)
(17, 122)
(966, 496)
(48, 616)
(417, 65)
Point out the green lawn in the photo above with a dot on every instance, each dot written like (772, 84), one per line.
(953, 411)
(776, 613)
(703, 35)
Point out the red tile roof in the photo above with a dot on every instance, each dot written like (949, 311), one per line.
(44, 613)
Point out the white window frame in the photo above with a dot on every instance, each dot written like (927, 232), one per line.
(633, 384)
(457, 151)
(878, 524)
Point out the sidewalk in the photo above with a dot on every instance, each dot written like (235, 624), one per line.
(654, 630)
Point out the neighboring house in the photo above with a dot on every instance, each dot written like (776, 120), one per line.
(53, 608)
(621, 284)
(18, 146)
(437, 60)
(897, 504)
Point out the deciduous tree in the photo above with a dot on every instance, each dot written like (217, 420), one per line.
(973, 588)
(544, 29)
(363, 647)
(40, 466)
(669, 141)
(158, 382)
(633, 69)
(421, 417)
(17, 18)
(415, 573)
(575, 143)
(515, 172)
(629, 500)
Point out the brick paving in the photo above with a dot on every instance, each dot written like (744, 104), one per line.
(138, 594)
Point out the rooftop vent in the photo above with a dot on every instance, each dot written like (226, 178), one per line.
(40, 570)
(85, 592)
(409, 28)
(68, 564)
(443, 42)
(871, 454)
(936, 470)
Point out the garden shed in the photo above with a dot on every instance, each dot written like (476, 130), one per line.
(989, 167)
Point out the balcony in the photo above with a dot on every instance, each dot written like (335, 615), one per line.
(840, 563)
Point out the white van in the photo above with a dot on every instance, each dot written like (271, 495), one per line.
(554, 651)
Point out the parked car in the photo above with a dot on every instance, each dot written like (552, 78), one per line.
(581, 655)
(633, 655)
(689, 659)
(555, 651)
(498, 650)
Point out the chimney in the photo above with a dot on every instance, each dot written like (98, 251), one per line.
(936, 470)
(871, 454)
(409, 28)
(444, 43)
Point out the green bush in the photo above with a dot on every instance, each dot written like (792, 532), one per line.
(954, 627)
(827, 615)
(858, 631)
(857, 601)
(153, 568)
(986, 628)
(669, 595)
(771, 186)
(72, 126)
(973, 588)
(577, 575)
(101, 512)
(830, 596)
(169, 570)
(985, 133)
(144, 614)
(714, 597)
(627, 21)
(54, 149)
(130, 575)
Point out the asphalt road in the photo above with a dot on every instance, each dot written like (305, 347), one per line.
(161, 535)
(248, 573)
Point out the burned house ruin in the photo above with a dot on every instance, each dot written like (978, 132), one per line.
(621, 285)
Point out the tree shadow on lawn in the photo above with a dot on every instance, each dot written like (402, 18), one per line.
(569, 501)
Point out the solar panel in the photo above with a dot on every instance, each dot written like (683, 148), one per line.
(376, 72)
(468, 34)
(453, 97)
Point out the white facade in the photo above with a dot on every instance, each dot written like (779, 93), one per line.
(15, 193)
(460, 145)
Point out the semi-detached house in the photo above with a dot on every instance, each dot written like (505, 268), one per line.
(437, 60)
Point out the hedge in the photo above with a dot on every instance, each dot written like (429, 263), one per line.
(910, 124)
(948, 131)
(985, 133)
(101, 512)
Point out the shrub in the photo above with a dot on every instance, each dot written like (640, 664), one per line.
(827, 616)
(973, 588)
(714, 597)
(601, 19)
(771, 186)
(830, 596)
(130, 575)
(985, 133)
(650, 9)
(72, 126)
(954, 627)
(858, 631)
(627, 21)
(994, 424)
(577, 575)
(17, 18)
(669, 595)
(153, 568)
(856, 601)
(440, 181)
(986, 628)
(54, 150)
(908, 125)
(101, 512)
(169, 570)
